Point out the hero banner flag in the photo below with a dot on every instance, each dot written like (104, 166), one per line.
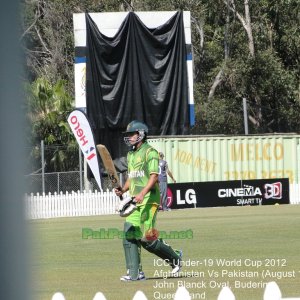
(82, 130)
(228, 193)
(139, 74)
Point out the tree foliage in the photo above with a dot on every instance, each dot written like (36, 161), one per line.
(48, 107)
(226, 67)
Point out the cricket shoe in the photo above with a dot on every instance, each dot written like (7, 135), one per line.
(177, 267)
(127, 277)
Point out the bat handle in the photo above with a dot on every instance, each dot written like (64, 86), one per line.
(120, 189)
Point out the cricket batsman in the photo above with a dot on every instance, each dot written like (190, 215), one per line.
(142, 184)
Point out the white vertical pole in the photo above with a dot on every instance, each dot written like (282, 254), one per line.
(43, 165)
(245, 116)
(80, 168)
(87, 185)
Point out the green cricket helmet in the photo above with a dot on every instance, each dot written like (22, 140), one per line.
(135, 127)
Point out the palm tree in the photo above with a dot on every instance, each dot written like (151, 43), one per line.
(48, 107)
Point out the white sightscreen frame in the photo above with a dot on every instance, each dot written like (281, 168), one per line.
(108, 24)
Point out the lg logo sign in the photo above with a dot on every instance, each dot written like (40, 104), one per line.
(189, 197)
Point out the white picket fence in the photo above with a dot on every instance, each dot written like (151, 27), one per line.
(70, 204)
(89, 203)
(271, 292)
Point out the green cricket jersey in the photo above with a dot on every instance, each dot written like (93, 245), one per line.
(141, 163)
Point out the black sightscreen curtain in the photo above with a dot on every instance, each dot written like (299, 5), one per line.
(139, 74)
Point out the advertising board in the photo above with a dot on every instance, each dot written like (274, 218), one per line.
(229, 193)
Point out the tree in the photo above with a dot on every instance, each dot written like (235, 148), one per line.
(240, 49)
(48, 107)
(259, 74)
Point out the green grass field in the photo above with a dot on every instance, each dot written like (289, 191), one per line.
(255, 244)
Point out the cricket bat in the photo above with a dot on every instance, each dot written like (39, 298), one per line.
(109, 166)
(127, 206)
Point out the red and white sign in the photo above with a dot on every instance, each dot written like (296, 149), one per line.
(273, 190)
(82, 130)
